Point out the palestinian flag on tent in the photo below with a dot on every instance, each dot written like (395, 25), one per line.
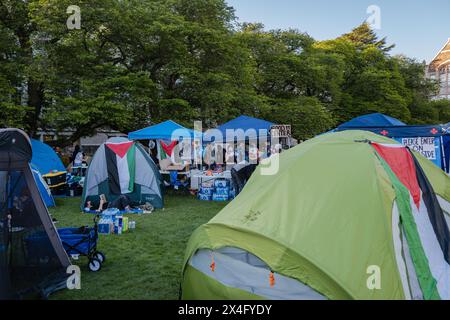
(423, 220)
(165, 149)
(121, 164)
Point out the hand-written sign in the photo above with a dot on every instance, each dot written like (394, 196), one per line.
(426, 146)
(281, 131)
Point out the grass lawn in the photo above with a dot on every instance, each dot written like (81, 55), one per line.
(145, 263)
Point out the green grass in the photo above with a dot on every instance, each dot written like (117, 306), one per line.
(142, 264)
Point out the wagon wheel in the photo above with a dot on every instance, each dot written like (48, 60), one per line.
(100, 256)
(94, 265)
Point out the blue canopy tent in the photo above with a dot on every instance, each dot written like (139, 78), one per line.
(429, 140)
(251, 128)
(167, 130)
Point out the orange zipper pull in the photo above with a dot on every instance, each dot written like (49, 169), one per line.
(272, 279)
(213, 264)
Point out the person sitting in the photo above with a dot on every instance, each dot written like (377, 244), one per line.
(123, 203)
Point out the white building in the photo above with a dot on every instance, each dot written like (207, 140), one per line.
(439, 69)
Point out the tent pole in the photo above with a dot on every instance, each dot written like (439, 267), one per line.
(443, 154)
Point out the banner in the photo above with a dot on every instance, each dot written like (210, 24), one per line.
(429, 147)
(281, 131)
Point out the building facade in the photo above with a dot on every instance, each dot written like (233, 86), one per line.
(439, 69)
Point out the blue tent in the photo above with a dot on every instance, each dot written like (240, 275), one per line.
(44, 190)
(250, 126)
(45, 160)
(432, 138)
(163, 131)
(372, 120)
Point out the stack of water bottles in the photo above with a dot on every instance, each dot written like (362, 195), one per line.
(219, 190)
(112, 222)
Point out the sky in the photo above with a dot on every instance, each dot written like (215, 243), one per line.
(418, 28)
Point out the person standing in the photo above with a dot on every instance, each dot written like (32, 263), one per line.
(74, 154)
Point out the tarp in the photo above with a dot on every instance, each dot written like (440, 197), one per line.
(249, 125)
(45, 160)
(168, 130)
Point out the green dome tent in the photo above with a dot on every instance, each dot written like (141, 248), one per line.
(349, 215)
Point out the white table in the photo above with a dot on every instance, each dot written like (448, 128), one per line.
(198, 178)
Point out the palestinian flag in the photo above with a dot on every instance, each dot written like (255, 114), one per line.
(423, 220)
(121, 164)
(166, 150)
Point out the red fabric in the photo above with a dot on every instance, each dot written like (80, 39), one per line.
(402, 164)
(120, 149)
(168, 149)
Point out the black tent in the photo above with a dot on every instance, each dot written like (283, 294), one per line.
(33, 262)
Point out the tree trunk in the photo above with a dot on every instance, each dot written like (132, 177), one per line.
(35, 88)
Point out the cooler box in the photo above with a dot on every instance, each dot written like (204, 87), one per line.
(55, 178)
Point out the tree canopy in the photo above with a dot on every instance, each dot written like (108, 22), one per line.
(136, 62)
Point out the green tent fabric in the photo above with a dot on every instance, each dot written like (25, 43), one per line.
(323, 220)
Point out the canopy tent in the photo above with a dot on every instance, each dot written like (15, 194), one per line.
(32, 258)
(168, 130)
(122, 167)
(45, 160)
(250, 128)
(427, 139)
(338, 208)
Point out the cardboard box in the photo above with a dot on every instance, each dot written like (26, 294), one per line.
(105, 227)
